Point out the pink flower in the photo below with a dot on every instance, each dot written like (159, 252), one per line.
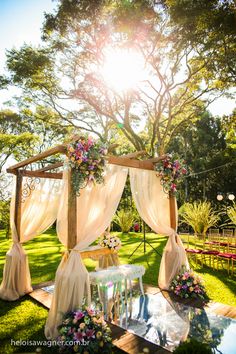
(176, 164)
(90, 141)
(78, 315)
(79, 335)
(186, 274)
(90, 333)
(90, 311)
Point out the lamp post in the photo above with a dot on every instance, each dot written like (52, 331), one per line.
(220, 196)
(228, 196)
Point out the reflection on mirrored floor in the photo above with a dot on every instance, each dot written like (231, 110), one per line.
(166, 323)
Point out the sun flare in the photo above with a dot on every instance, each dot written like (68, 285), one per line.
(123, 69)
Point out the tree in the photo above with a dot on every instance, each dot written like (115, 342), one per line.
(80, 36)
(210, 157)
(15, 140)
(199, 215)
(209, 28)
(28, 132)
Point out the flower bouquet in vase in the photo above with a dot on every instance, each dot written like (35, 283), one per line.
(110, 241)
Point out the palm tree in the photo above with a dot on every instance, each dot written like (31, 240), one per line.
(125, 219)
(231, 212)
(199, 215)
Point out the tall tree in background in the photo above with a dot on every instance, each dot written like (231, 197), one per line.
(209, 28)
(83, 39)
(210, 156)
(28, 132)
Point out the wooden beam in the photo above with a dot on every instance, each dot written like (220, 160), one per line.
(157, 159)
(172, 209)
(41, 174)
(72, 214)
(18, 203)
(58, 149)
(50, 167)
(127, 162)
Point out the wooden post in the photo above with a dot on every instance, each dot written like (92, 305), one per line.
(72, 222)
(172, 212)
(18, 202)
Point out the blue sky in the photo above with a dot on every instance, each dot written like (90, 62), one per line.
(21, 21)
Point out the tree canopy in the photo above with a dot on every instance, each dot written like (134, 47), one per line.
(179, 76)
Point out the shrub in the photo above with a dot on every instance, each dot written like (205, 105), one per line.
(125, 219)
(199, 215)
(231, 212)
(192, 347)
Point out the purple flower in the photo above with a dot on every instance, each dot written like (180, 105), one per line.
(90, 333)
(78, 315)
(91, 167)
(185, 287)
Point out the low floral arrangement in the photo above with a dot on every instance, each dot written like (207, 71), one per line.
(187, 284)
(171, 170)
(84, 331)
(109, 241)
(87, 160)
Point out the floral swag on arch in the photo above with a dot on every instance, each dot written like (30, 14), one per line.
(87, 160)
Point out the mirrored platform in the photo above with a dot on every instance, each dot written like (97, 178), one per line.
(167, 323)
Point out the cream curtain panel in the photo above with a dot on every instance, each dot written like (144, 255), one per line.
(96, 206)
(153, 206)
(39, 211)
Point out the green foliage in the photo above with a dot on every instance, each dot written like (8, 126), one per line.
(205, 147)
(192, 347)
(28, 132)
(125, 219)
(5, 216)
(148, 115)
(199, 215)
(31, 67)
(231, 212)
(208, 27)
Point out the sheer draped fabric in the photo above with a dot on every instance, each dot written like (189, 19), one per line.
(96, 206)
(38, 212)
(153, 206)
(40, 208)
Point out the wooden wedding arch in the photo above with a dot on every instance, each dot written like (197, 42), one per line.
(20, 170)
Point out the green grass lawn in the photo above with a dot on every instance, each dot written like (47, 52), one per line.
(25, 319)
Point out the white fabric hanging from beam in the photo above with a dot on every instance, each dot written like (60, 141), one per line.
(38, 213)
(96, 206)
(153, 206)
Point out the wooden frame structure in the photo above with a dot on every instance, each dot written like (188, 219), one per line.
(129, 160)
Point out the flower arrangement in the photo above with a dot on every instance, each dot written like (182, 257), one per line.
(171, 171)
(84, 331)
(87, 160)
(187, 284)
(109, 241)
